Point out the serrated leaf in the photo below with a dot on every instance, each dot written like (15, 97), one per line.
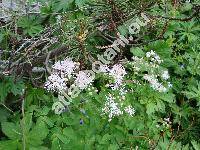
(151, 108)
(80, 3)
(17, 88)
(38, 133)
(63, 139)
(56, 145)
(105, 139)
(4, 115)
(11, 130)
(1, 37)
(195, 145)
(70, 133)
(63, 5)
(9, 145)
(137, 52)
(168, 97)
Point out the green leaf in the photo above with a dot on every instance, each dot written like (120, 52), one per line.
(28, 121)
(195, 145)
(63, 139)
(4, 114)
(80, 3)
(8, 85)
(151, 108)
(4, 90)
(137, 52)
(63, 5)
(9, 145)
(1, 37)
(168, 97)
(105, 139)
(38, 147)
(17, 88)
(70, 133)
(162, 48)
(56, 144)
(38, 133)
(11, 130)
(113, 147)
(160, 106)
(31, 25)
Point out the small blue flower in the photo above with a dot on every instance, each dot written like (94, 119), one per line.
(81, 122)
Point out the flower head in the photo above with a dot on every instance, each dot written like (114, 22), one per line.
(111, 107)
(117, 72)
(155, 83)
(65, 67)
(165, 75)
(83, 80)
(129, 110)
(55, 83)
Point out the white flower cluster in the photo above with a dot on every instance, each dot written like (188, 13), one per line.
(64, 71)
(165, 75)
(111, 108)
(104, 68)
(122, 92)
(130, 110)
(140, 63)
(165, 123)
(155, 59)
(151, 64)
(137, 59)
(117, 72)
(114, 109)
(83, 80)
(55, 83)
(65, 68)
(155, 83)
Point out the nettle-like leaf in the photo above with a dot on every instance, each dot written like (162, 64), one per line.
(4, 114)
(10, 144)
(4, 90)
(33, 134)
(58, 139)
(194, 93)
(162, 48)
(151, 108)
(193, 59)
(80, 3)
(195, 145)
(30, 25)
(137, 52)
(17, 88)
(154, 101)
(157, 103)
(188, 31)
(38, 133)
(162, 144)
(11, 130)
(8, 85)
(63, 5)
